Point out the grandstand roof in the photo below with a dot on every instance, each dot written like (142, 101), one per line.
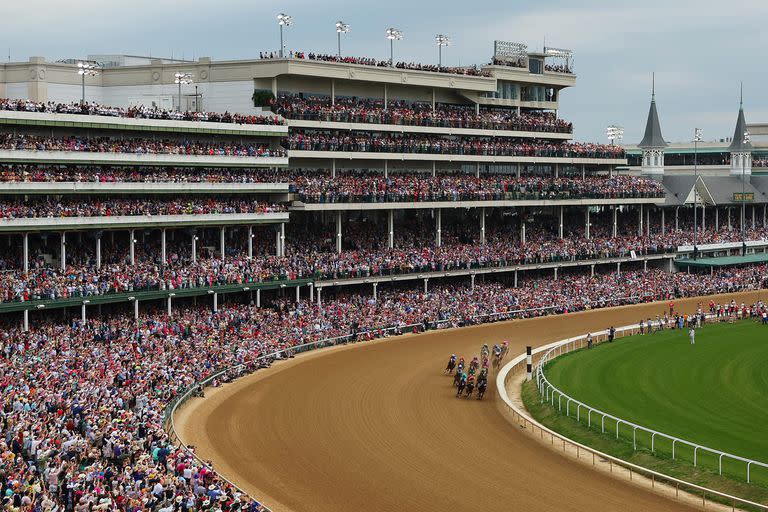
(724, 261)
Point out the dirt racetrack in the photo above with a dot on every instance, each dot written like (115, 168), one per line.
(376, 427)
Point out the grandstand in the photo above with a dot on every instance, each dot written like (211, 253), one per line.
(151, 206)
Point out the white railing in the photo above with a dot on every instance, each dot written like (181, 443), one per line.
(548, 392)
(518, 365)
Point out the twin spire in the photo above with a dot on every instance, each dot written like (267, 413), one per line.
(737, 144)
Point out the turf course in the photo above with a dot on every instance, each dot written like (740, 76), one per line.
(714, 393)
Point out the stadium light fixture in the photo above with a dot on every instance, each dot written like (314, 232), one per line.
(182, 79)
(283, 20)
(341, 28)
(441, 40)
(393, 34)
(614, 132)
(85, 69)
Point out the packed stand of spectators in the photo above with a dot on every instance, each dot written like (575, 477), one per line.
(558, 68)
(368, 61)
(137, 112)
(405, 113)
(352, 187)
(106, 207)
(83, 403)
(424, 144)
(133, 145)
(519, 62)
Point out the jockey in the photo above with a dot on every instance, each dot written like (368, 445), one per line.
(484, 350)
(496, 350)
(472, 370)
(453, 358)
(464, 377)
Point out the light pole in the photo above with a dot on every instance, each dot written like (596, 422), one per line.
(441, 40)
(393, 34)
(697, 137)
(85, 69)
(284, 21)
(747, 140)
(182, 79)
(341, 28)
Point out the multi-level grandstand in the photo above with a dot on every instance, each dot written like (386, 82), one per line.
(200, 215)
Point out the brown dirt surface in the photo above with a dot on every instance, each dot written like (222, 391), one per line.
(376, 427)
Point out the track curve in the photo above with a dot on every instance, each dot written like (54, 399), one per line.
(376, 427)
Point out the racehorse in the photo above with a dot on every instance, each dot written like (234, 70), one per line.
(456, 379)
(482, 384)
(451, 365)
(496, 361)
(462, 385)
(470, 388)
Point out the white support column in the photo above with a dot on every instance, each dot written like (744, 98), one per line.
(298, 293)
(477, 170)
(482, 226)
(557, 171)
(583, 171)
(319, 298)
(560, 224)
(434, 168)
(250, 242)
(163, 246)
(618, 268)
(519, 166)
(555, 273)
(333, 92)
(730, 227)
(438, 227)
(169, 311)
(258, 297)
(390, 229)
(426, 284)
(703, 217)
(433, 100)
(386, 169)
(677, 218)
(586, 223)
(375, 291)
(522, 230)
(472, 281)
(311, 293)
(753, 216)
(717, 218)
(25, 251)
(333, 168)
(515, 278)
(222, 248)
(282, 239)
(338, 232)
(765, 215)
(25, 321)
(648, 221)
(82, 313)
(215, 301)
(136, 309)
(277, 242)
(132, 245)
(645, 265)
(385, 96)
(592, 270)
(63, 251)
(194, 246)
(663, 222)
(640, 221)
(615, 221)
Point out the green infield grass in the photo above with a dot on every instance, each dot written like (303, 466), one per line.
(714, 393)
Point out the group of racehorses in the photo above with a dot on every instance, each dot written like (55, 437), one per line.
(475, 374)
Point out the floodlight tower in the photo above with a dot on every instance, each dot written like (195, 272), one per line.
(441, 40)
(393, 34)
(283, 20)
(85, 69)
(182, 79)
(341, 28)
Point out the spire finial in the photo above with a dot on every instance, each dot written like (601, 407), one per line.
(653, 86)
(741, 94)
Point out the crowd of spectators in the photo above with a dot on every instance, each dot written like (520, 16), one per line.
(558, 68)
(405, 113)
(134, 145)
(106, 207)
(137, 112)
(83, 405)
(424, 144)
(368, 61)
(351, 187)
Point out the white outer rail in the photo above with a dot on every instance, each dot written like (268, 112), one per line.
(548, 392)
(518, 364)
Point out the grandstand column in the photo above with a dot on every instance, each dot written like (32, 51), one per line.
(729, 219)
(168, 307)
(426, 284)
(592, 270)
(132, 246)
(583, 171)
(215, 302)
(717, 218)
(618, 268)
(438, 227)
(663, 221)
(703, 217)
(63, 251)
(333, 168)
(753, 216)
(298, 293)
(163, 247)
(390, 229)
(433, 100)
(648, 221)
(477, 109)
(645, 265)
(555, 273)
(560, 224)
(375, 291)
(333, 92)
(519, 166)
(472, 281)
(221, 243)
(477, 170)
(338, 232)
(136, 309)
(515, 278)
(615, 221)
(25, 250)
(311, 292)
(274, 86)
(250, 242)
(386, 169)
(434, 168)
(482, 226)
(522, 228)
(765, 216)
(586, 224)
(640, 221)
(258, 297)
(194, 246)
(557, 171)
(319, 298)
(677, 218)
(82, 312)
(282, 239)
(385, 96)
(25, 322)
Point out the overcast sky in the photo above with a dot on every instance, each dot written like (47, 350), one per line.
(700, 50)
